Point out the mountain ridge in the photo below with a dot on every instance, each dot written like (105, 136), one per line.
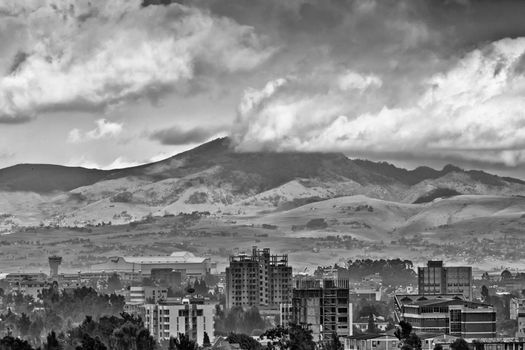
(267, 170)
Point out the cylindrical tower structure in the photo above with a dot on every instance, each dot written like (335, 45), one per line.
(54, 262)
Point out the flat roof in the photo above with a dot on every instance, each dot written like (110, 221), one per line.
(175, 257)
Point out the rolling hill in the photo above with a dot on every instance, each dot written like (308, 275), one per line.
(215, 178)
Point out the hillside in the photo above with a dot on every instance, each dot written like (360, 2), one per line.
(44, 178)
(215, 178)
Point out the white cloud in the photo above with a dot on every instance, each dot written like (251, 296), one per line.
(82, 161)
(351, 80)
(474, 111)
(103, 129)
(121, 162)
(118, 163)
(90, 55)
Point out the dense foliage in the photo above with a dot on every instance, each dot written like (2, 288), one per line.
(56, 313)
(237, 320)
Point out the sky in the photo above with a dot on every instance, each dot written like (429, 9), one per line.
(110, 84)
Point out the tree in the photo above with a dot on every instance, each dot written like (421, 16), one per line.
(372, 328)
(460, 344)
(35, 330)
(10, 343)
(484, 293)
(182, 342)
(300, 338)
(206, 340)
(89, 343)
(52, 342)
(409, 340)
(114, 283)
(245, 341)
(251, 320)
(23, 325)
(334, 343)
(403, 331)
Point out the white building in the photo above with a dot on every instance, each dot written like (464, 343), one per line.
(167, 319)
(192, 265)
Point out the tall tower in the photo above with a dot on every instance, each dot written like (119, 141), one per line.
(54, 262)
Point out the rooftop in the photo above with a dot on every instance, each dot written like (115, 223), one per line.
(175, 257)
(436, 300)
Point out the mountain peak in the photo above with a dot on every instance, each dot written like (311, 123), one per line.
(450, 168)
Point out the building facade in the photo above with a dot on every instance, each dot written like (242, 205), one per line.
(480, 343)
(146, 294)
(259, 279)
(324, 307)
(437, 279)
(446, 314)
(193, 318)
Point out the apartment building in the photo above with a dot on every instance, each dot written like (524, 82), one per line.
(259, 279)
(323, 306)
(446, 314)
(191, 317)
(435, 279)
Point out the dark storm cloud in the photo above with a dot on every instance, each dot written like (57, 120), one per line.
(177, 136)
(18, 119)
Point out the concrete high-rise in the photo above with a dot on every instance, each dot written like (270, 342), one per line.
(259, 279)
(437, 279)
(324, 307)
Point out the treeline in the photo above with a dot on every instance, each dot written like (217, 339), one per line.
(392, 271)
(57, 311)
(109, 332)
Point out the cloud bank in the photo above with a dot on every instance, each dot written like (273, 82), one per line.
(178, 136)
(473, 111)
(91, 55)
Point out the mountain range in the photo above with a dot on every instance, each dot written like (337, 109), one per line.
(214, 177)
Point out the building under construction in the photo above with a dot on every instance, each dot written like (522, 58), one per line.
(323, 306)
(259, 279)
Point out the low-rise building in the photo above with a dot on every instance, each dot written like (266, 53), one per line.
(447, 314)
(480, 343)
(362, 323)
(370, 342)
(185, 262)
(31, 288)
(387, 341)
